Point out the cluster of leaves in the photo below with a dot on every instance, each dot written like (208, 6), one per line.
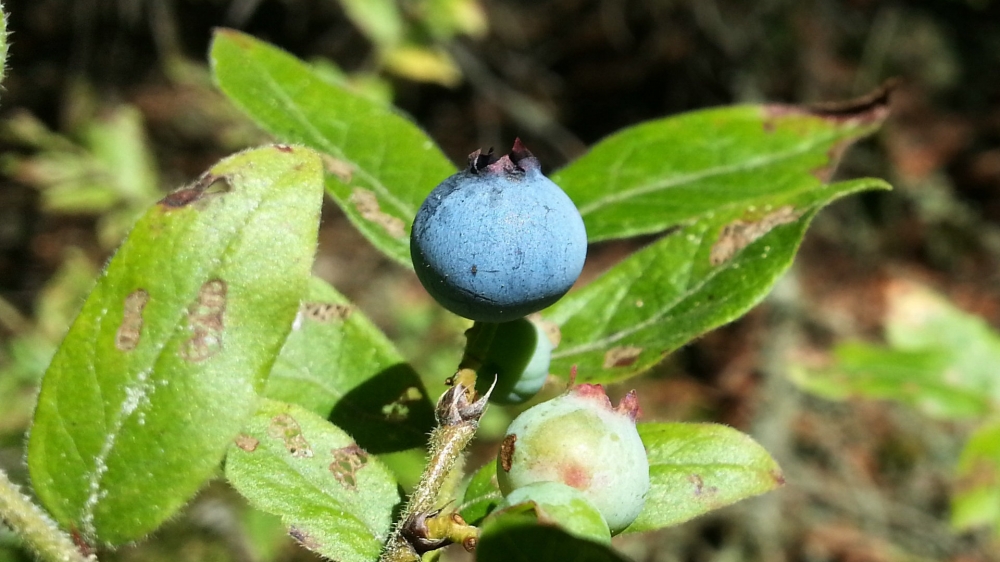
(941, 361)
(207, 340)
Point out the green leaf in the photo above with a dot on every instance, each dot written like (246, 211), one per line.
(647, 178)
(482, 494)
(379, 20)
(696, 468)
(336, 363)
(335, 498)
(696, 278)
(941, 360)
(975, 501)
(380, 165)
(161, 367)
(919, 378)
(514, 535)
(917, 318)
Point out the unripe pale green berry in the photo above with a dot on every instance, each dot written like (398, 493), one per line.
(578, 439)
(519, 356)
(563, 506)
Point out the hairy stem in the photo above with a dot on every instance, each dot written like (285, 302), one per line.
(34, 527)
(458, 413)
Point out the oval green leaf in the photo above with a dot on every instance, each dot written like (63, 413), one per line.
(649, 177)
(336, 363)
(161, 367)
(696, 468)
(380, 166)
(692, 280)
(336, 499)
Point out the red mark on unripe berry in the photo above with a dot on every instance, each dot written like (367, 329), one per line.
(575, 476)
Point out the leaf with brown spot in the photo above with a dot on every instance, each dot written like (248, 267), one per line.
(207, 185)
(621, 356)
(347, 461)
(284, 427)
(247, 443)
(683, 294)
(205, 322)
(337, 363)
(381, 165)
(127, 337)
(731, 189)
(697, 467)
(162, 367)
(339, 168)
(326, 311)
(741, 233)
(338, 502)
(367, 206)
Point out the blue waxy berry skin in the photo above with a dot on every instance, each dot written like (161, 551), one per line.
(499, 240)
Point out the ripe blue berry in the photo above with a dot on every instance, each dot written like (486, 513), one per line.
(563, 506)
(498, 240)
(519, 356)
(578, 439)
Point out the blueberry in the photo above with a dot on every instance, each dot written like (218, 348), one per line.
(519, 356)
(563, 506)
(578, 439)
(499, 240)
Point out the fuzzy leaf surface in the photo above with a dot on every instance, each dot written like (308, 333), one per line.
(336, 498)
(695, 468)
(338, 364)
(162, 366)
(380, 165)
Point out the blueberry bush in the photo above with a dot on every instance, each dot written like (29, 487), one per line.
(207, 342)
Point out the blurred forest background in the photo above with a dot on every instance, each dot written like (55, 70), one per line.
(108, 104)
